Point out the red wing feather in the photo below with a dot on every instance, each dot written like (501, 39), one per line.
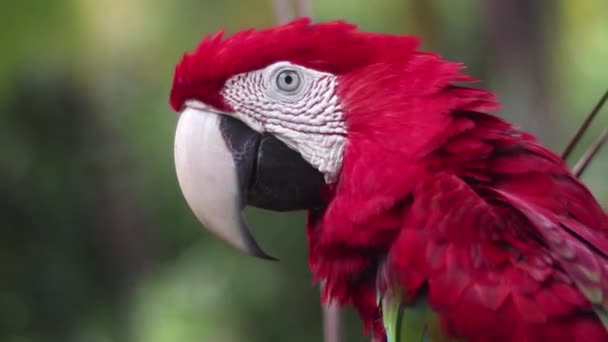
(498, 272)
(514, 247)
(580, 250)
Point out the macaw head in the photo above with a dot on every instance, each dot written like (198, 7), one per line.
(306, 115)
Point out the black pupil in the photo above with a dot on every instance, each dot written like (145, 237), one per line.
(288, 79)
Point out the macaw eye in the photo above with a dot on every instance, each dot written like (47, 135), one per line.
(288, 81)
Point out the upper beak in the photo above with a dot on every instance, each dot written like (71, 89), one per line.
(222, 165)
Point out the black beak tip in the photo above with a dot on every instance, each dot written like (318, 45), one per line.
(268, 257)
(270, 176)
(258, 252)
(253, 248)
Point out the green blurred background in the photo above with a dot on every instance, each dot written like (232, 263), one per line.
(97, 243)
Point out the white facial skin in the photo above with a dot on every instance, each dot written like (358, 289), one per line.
(297, 105)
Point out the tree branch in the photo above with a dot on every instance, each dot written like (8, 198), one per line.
(282, 11)
(332, 323)
(304, 8)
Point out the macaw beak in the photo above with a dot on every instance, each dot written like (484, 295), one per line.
(222, 165)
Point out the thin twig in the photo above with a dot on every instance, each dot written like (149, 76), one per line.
(282, 11)
(584, 161)
(332, 323)
(583, 128)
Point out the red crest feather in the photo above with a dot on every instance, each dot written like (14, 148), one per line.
(336, 47)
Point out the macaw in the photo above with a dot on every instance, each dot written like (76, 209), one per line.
(435, 219)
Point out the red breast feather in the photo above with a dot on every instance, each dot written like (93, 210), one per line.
(441, 200)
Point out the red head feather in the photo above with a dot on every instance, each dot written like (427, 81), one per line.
(336, 47)
(385, 84)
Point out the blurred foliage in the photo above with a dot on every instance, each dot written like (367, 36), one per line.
(98, 244)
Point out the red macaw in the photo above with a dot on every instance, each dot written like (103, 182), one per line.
(435, 219)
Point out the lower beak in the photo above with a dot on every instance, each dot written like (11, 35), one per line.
(222, 165)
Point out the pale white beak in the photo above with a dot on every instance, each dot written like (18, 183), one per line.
(207, 174)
